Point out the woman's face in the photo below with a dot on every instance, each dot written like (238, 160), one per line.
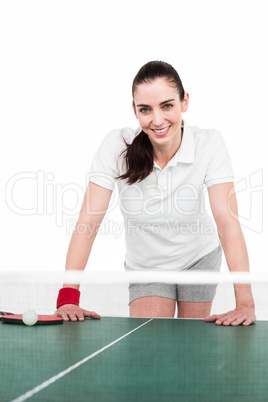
(158, 108)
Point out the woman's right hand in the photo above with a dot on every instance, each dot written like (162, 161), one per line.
(71, 312)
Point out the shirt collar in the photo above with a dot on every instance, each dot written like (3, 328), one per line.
(185, 153)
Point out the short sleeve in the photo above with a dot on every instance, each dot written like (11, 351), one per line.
(104, 167)
(219, 169)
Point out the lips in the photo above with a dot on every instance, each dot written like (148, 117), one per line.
(161, 132)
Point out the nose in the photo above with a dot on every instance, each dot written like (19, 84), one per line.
(157, 118)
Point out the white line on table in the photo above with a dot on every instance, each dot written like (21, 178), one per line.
(51, 380)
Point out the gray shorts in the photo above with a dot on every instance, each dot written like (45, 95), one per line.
(188, 293)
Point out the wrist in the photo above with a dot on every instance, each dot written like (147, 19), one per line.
(68, 296)
(245, 303)
(243, 295)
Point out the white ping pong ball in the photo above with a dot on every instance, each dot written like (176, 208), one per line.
(30, 317)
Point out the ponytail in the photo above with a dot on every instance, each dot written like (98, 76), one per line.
(139, 159)
(139, 155)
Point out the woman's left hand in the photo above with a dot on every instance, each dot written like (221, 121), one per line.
(244, 315)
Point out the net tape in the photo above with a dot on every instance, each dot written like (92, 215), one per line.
(135, 276)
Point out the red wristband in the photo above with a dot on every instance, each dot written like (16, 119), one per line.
(68, 296)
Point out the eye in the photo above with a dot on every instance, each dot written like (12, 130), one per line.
(144, 110)
(168, 106)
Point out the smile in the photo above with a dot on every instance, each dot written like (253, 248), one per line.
(161, 132)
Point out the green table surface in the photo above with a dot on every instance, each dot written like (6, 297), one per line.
(163, 360)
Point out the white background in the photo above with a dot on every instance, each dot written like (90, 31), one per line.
(66, 74)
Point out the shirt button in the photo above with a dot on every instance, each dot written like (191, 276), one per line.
(162, 180)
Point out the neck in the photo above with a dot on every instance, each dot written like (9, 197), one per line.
(163, 154)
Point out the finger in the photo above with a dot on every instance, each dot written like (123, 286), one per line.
(56, 314)
(248, 321)
(61, 314)
(236, 320)
(212, 317)
(222, 320)
(91, 314)
(80, 316)
(72, 317)
(219, 322)
(218, 319)
(65, 317)
(232, 320)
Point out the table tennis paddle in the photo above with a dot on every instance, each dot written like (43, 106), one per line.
(10, 318)
(4, 313)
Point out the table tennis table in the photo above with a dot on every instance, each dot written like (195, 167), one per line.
(134, 359)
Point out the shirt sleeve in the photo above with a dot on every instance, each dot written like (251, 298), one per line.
(104, 167)
(219, 169)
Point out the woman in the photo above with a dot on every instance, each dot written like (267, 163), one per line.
(161, 169)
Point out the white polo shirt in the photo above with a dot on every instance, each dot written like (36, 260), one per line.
(166, 224)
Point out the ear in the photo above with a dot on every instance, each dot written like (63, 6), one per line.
(185, 103)
(134, 108)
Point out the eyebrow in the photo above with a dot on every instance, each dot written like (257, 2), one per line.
(162, 103)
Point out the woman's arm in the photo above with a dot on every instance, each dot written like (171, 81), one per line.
(94, 207)
(224, 208)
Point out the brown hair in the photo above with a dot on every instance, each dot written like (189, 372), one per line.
(139, 154)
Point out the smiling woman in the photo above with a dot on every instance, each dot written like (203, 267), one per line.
(161, 120)
(161, 169)
(158, 101)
